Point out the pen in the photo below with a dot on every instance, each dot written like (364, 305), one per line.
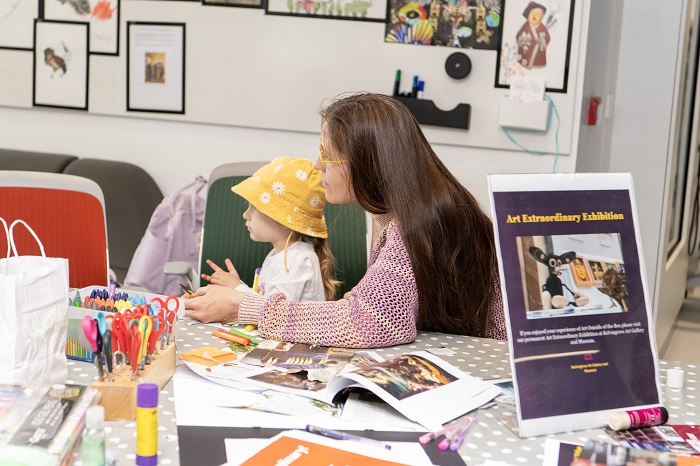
(397, 83)
(414, 87)
(252, 339)
(185, 288)
(421, 85)
(334, 434)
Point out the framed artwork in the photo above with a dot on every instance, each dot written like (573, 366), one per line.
(155, 69)
(610, 265)
(358, 10)
(621, 266)
(236, 3)
(103, 16)
(17, 23)
(597, 270)
(535, 42)
(579, 269)
(61, 64)
(457, 24)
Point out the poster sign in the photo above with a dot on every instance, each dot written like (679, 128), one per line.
(579, 321)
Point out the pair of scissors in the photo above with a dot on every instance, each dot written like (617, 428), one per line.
(158, 327)
(135, 353)
(171, 304)
(120, 338)
(94, 338)
(145, 329)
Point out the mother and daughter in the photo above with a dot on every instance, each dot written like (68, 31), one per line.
(432, 263)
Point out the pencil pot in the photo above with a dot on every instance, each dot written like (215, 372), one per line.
(33, 315)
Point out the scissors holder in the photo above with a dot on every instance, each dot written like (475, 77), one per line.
(119, 397)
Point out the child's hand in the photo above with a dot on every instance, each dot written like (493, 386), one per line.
(228, 279)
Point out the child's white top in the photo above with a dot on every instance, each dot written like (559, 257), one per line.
(302, 282)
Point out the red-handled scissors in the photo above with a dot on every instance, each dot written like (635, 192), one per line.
(167, 304)
(158, 327)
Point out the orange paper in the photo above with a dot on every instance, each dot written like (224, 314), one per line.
(286, 450)
(208, 356)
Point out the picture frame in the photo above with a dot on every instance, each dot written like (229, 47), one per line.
(103, 16)
(155, 74)
(580, 271)
(610, 265)
(260, 4)
(597, 269)
(454, 24)
(60, 47)
(368, 10)
(545, 57)
(17, 19)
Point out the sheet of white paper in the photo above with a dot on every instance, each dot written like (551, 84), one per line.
(239, 450)
(378, 413)
(527, 89)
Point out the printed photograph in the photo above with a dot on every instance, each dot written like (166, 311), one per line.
(562, 276)
(535, 42)
(299, 356)
(407, 375)
(472, 24)
(155, 67)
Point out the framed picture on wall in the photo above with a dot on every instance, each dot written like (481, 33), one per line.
(155, 69)
(17, 24)
(103, 16)
(579, 269)
(61, 64)
(236, 3)
(597, 270)
(535, 42)
(358, 10)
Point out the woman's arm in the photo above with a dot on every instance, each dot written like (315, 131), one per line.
(381, 310)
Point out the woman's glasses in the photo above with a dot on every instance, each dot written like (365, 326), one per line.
(324, 158)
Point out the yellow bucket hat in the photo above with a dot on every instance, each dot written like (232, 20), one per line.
(289, 191)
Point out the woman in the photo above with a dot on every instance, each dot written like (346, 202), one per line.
(433, 262)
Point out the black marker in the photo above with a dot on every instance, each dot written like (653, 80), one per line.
(414, 88)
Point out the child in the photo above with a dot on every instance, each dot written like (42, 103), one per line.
(286, 209)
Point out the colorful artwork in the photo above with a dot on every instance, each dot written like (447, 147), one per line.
(361, 10)
(581, 274)
(536, 42)
(448, 23)
(103, 16)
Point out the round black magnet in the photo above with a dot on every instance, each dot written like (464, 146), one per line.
(458, 65)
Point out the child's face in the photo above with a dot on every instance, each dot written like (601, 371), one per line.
(262, 228)
(535, 16)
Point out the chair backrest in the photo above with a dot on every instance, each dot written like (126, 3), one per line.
(67, 213)
(131, 195)
(224, 234)
(347, 239)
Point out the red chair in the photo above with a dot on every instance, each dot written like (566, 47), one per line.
(68, 215)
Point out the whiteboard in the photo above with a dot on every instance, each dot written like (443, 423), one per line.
(248, 69)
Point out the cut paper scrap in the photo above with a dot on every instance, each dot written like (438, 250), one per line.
(208, 356)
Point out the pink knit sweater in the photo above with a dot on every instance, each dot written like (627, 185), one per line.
(380, 311)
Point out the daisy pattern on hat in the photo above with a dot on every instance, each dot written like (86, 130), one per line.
(278, 168)
(314, 202)
(265, 198)
(301, 175)
(277, 187)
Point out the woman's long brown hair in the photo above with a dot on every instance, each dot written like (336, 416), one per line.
(449, 238)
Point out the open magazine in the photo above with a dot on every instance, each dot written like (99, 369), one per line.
(421, 386)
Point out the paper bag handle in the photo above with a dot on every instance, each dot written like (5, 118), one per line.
(11, 237)
(7, 235)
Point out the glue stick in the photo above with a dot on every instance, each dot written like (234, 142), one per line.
(638, 418)
(147, 424)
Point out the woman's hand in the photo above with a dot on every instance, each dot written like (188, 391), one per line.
(213, 303)
(228, 279)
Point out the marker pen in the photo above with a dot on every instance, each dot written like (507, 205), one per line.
(421, 85)
(414, 87)
(397, 83)
(638, 418)
(231, 337)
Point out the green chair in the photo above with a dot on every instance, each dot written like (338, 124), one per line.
(347, 239)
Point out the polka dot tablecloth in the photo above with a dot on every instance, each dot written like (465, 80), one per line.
(487, 359)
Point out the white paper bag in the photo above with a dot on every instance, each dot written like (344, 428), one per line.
(33, 316)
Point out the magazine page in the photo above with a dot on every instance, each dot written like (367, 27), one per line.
(421, 386)
(681, 439)
(597, 453)
(577, 308)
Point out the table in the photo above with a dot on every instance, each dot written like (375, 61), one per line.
(479, 357)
